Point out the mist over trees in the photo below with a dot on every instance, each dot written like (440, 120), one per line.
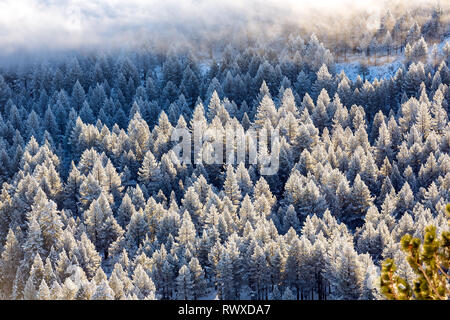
(94, 206)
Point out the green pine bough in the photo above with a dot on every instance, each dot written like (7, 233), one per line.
(430, 261)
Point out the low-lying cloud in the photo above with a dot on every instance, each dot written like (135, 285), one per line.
(51, 25)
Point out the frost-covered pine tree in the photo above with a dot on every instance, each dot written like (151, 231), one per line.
(103, 291)
(185, 284)
(198, 278)
(348, 275)
(101, 226)
(11, 256)
(143, 284)
(231, 187)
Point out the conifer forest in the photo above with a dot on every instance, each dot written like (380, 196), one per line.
(273, 155)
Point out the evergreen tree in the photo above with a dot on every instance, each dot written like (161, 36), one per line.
(231, 187)
(103, 292)
(143, 284)
(348, 275)
(427, 260)
(198, 278)
(185, 284)
(101, 225)
(10, 258)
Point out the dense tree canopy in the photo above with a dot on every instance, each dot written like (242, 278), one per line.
(95, 205)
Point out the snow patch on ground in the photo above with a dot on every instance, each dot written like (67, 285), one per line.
(383, 71)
